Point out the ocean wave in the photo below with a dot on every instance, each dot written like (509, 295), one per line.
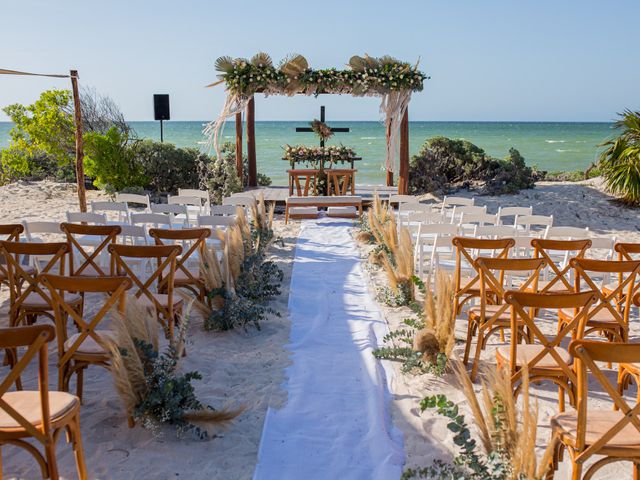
(368, 138)
(555, 141)
(559, 150)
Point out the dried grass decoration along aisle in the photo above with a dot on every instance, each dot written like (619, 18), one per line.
(336, 423)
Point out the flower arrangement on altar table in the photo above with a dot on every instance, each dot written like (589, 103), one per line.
(364, 76)
(321, 129)
(332, 153)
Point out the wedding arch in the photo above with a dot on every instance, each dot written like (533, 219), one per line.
(385, 77)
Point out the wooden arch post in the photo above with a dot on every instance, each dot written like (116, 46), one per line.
(403, 177)
(239, 162)
(77, 115)
(251, 143)
(389, 172)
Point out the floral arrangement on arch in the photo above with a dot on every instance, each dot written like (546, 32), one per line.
(332, 153)
(321, 129)
(364, 76)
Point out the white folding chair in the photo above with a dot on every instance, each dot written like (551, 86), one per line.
(454, 214)
(136, 199)
(456, 202)
(152, 220)
(223, 210)
(427, 244)
(87, 217)
(120, 209)
(239, 201)
(567, 233)
(540, 223)
(504, 212)
(40, 231)
(469, 221)
(402, 199)
(216, 222)
(179, 213)
(133, 234)
(494, 231)
(203, 195)
(406, 209)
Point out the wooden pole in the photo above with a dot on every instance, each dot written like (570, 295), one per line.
(251, 143)
(403, 180)
(389, 172)
(77, 114)
(239, 166)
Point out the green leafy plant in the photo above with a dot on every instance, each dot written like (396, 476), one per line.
(110, 161)
(148, 380)
(167, 167)
(620, 161)
(445, 164)
(507, 434)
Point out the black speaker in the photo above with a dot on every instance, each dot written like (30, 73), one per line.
(161, 107)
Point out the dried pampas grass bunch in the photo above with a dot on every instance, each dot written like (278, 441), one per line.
(399, 262)
(148, 380)
(505, 428)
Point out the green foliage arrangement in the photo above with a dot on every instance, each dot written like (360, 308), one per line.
(331, 153)
(507, 434)
(445, 164)
(620, 162)
(148, 380)
(111, 162)
(42, 138)
(239, 289)
(364, 76)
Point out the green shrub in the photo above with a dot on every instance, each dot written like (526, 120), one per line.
(110, 161)
(446, 164)
(167, 167)
(620, 162)
(220, 176)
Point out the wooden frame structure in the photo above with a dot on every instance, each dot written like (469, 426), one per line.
(403, 174)
(77, 118)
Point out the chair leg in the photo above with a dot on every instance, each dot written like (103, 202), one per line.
(636, 471)
(576, 470)
(79, 383)
(561, 399)
(50, 455)
(476, 358)
(78, 449)
(467, 347)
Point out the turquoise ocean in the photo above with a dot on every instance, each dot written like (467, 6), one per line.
(549, 146)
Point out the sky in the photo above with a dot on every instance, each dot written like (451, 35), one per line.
(490, 60)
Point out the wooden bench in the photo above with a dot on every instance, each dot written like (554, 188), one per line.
(302, 207)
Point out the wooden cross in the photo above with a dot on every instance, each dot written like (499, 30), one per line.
(309, 129)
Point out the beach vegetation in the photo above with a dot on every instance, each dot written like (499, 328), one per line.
(503, 447)
(154, 390)
(620, 161)
(239, 289)
(444, 165)
(111, 162)
(425, 344)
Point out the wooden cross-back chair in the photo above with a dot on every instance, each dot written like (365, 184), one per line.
(556, 253)
(544, 358)
(167, 306)
(89, 345)
(8, 233)
(468, 249)
(488, 319)
(610, 316)
(38, 414)
(194, 241)
(612, 434)
(626, 251)
(88, 264)
(628, 371)
(28, 299)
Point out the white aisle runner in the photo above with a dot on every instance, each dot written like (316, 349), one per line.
(336, 423)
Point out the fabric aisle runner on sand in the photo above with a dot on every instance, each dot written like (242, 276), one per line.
(336, 423)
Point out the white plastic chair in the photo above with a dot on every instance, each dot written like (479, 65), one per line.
(179, 213)
(426, 243)
(203, 195)
(134, 198)
(120, 209)
(39, 231)
(525, 222)
(223, 210)
(454, 214)
(405, 209)
(567, 233)
(469, 221)
(239, 201)
(494, 231)
(87, 217)
(402, 199)
(215, 222)
(133, 234)
(152, 220)
(504, 212)
(457, 202)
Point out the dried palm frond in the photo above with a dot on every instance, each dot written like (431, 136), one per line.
(438, 312)
(357, 63)
(224, 64)
(261, 59)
